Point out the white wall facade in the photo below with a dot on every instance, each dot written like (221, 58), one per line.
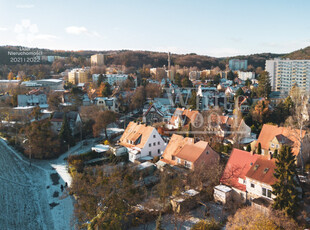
(154, 147)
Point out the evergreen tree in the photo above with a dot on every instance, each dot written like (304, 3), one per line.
(159, 223)
(259, 149)
(285, 188)
(193, 100)
(100, 80)
(275, 153)
(264, 86)
(65, 134)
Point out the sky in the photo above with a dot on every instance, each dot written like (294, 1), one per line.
(218, 28)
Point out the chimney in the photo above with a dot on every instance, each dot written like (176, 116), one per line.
(269, 156)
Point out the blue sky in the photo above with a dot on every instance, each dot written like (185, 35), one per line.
(216, 28)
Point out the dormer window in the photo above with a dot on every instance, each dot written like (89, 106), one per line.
(256, 167)
(266, 170)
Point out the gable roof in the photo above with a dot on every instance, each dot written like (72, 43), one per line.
(268, 132)
(263, 170)
(192, 152)
(237, 167)
(174, 146)
(155, 108)
(133, 132)
(188, 113)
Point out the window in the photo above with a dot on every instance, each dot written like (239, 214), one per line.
(252, 185)
(178, 160)
(154, 143)
(158, 151)
(173, 158)
(268, 193)
(150, 153)
(150, 145)
(154, 136)
(264, 191)
(272, 145)
(187, 164)
(158, 143)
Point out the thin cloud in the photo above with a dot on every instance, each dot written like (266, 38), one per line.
(46, 37)
(3, 29)
(27, 32)
(81, 30)
(25, 6)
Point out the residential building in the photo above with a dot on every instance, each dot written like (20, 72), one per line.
(246, 75)
(182, 117)
(249, 175)
(141, 141)
(32, 100)
(273, 137)
(158, 110)
(284, 73)
(111, 78)
(77, 76)
(183, 151)
(152, 115)
(236, 64)
(73, 118)
(97, 60)
(107, 103)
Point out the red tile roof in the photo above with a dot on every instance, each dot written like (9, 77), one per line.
(263, 170)
(237, 167)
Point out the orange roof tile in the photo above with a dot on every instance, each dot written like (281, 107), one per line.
(192, 152)
(268, 132)
(190, 114)
(134, 132)
(174, 146)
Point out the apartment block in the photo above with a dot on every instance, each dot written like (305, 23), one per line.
(77, 76)
(97, 60)
(284, 73)
(236, 64)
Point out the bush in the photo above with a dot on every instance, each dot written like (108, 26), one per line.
(211, 224)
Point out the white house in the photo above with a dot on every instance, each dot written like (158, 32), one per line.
(141, 141)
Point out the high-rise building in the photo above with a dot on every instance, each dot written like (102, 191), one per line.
(77, 76)
(236, 64)
(284, 73)
(97, 60)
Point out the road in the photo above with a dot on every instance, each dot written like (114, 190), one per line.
(23, 194)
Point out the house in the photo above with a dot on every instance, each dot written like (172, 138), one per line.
(224, 126)
(273, 137)
(249, 175)
(141, 141)
(152, 115)
(107, 103)
(183, 151)
(243, 104)
(73, 119)
(182, 117)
